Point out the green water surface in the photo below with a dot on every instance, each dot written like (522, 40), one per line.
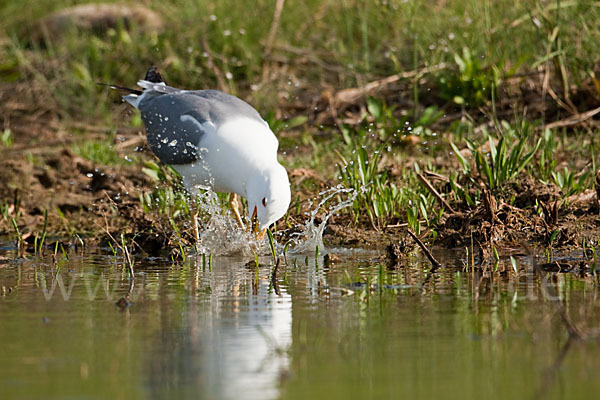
(354, 329)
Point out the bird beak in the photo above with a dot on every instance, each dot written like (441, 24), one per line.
(259, 234)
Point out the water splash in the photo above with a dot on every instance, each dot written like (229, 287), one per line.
(221, 235)
(312, 235)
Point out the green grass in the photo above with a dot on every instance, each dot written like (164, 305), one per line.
(100, 152)
(6, 138)
(507, 155)
(377, 196)
(472, 84)
(168, 198)
(356, 40)
(166, 201)
(5, 210)
(569, 183)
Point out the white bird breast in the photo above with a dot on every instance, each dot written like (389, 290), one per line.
(230, 154)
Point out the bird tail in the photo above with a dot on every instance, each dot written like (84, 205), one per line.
(152, 81)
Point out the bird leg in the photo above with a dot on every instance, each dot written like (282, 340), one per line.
(196, 231)
(235, 207)
(194, 214)
(195, 225)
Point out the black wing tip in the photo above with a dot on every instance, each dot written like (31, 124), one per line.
(152, 75)
(126, 89)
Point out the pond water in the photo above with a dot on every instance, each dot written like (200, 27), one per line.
(225, 330)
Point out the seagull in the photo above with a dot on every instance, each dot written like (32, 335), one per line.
(216, 140)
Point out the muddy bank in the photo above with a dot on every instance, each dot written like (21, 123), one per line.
(48, 188)
(74, 199)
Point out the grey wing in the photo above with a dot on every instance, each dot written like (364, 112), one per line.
(224, 106)
(175, 124)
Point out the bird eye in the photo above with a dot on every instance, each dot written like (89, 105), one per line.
(264, 201)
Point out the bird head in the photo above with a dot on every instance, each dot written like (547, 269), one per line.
(268, 197)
